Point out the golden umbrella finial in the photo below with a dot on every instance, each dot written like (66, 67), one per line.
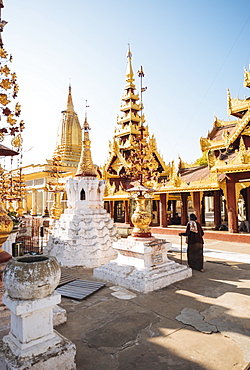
(86, 166)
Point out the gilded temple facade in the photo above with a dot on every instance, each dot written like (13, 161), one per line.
(218, 190)
(226, 178)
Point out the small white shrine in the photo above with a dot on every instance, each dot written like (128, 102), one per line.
(142, 263)
(85, 232)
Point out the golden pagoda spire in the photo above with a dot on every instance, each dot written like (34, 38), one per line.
(129, 72)
(130, 119)
(86, 166)
(69, 136)
(70, 106)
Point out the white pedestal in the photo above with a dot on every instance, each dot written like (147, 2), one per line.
(142, 265)
(32, 340)
(83, 237)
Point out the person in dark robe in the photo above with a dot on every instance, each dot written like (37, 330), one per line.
(194, 234)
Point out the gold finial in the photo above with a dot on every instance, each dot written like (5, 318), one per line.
(70, 106)
(141, 74)
(129, 52)
(86, 166)
(86, 109)
(129, 73)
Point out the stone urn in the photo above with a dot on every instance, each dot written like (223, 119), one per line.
(31, 277)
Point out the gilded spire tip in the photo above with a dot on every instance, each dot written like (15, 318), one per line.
(129, 73)
(70, 105)
(129, 55)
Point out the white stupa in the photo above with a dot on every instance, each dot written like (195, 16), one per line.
(85, 232)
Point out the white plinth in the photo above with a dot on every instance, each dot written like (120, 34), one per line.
(31, 329)
(32, 342)
(142, 265)
(61, 356)
(83, 237)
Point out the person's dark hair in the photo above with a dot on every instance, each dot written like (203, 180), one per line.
(192, 217)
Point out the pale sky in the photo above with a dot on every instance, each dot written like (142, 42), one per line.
(191, 52)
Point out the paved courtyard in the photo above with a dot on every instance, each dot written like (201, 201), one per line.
(199, 323)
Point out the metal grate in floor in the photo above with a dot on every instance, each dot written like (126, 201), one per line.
(65, 278)
(79, 289)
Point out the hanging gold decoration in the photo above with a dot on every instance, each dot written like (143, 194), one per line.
(5, 70)
(3, 99)
(3, 53)
(17, 141)
(11, 185)
(6, 225)
(12, 121)
(6, 84)
(55, 187)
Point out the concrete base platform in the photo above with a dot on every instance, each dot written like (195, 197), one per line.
(61, 356)
(142, 265)
(143, 280)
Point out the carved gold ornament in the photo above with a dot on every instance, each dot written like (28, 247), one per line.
(12, 121)
(17, 109)
(6, 84)
(17, 141)
(5, 70)
(3, 99)
(56, 209)
(3, 53)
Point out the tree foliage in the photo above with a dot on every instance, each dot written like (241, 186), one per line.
(202, 161)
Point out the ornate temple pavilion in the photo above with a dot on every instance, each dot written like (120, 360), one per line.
(226, 177)
(127, 131)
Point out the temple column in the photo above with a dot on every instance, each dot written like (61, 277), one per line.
(163, 212)
(25, 204)
(231, 208)
(45, 198)
(217, 208)
(248, 204)
(224, 202)
(174, 207)
(111, 208)
(158, 212)
(203, 210)
(126, 208)
(184, 208)
(34, 203)
(197, 205)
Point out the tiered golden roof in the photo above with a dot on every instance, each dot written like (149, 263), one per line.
(228, 142)
(128, 128)
(228, 150)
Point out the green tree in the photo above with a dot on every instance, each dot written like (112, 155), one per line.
(202, 161)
